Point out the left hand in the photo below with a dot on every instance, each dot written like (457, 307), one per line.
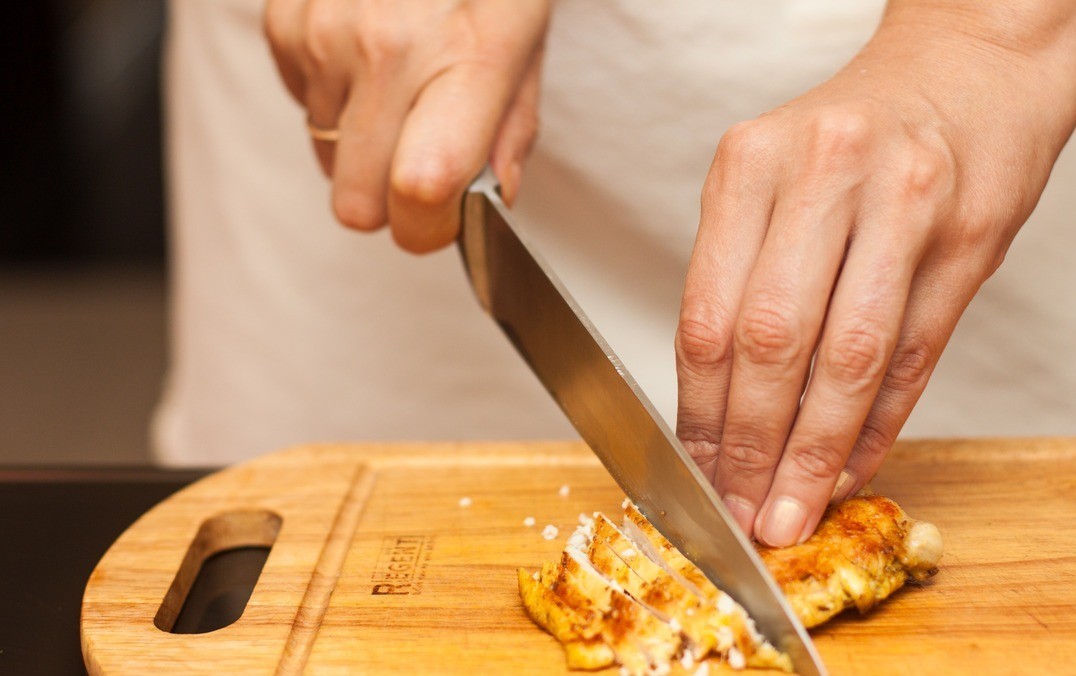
(842, 236)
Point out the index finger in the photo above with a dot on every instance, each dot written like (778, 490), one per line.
(736, 206)
(447, 138)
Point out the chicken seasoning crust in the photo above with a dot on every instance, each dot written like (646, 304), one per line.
(864, 550)
(621, 594)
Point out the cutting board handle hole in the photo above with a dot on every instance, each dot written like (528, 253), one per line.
(219, 572)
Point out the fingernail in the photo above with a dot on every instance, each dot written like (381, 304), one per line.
(742, 510)
(783, 524)
(845, 484)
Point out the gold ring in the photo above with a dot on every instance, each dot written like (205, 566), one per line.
(319, 134)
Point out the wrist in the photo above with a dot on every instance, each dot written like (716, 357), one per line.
(1017, 55)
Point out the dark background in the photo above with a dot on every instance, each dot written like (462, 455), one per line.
(82, 237)
(81, 131)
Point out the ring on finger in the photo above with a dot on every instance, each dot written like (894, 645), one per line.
(321, 133)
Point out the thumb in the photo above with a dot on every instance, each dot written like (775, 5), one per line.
(517, 132)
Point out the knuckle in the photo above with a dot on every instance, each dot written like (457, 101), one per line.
(321, 31)
(840, 132)
(926, 174)
(910, 366)
(744, 144)
(930, 172)
(699, 447)
(745, 139)
(979, 245)
(746, 456)
(974, 235)
(874, 441)
(380, 42)
(744, 162)
(432, 183)
(768, 335)
(817, 461)
(702, 340)
(856, 356)
(358, 211)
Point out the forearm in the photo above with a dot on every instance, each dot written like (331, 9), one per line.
(1030, 28)
(1017, 54)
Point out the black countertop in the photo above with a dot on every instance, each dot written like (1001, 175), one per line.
(55, 524)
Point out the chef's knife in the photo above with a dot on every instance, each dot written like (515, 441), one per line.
(519, 290)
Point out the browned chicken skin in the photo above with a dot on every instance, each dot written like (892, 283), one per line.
(864, 549)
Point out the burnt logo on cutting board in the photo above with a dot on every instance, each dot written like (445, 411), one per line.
(401, 565)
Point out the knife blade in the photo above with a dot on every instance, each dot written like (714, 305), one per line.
(613, 416)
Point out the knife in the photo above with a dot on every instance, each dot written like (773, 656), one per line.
(613, 416)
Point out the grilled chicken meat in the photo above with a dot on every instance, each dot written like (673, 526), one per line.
(622, 594)
(864, 549)
(614, 599)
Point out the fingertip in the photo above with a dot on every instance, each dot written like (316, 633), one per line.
(425, 238)
(429, 181)
(517, 135)
(784, 522)
(357, 210)
(425, 202)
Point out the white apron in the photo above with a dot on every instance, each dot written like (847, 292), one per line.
(287, 328)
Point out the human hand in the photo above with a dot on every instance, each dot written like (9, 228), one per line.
(423, 93)
(842, 236)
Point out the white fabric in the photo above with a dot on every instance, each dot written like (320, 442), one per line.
(288, 328)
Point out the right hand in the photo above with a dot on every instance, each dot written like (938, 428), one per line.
(424, 93)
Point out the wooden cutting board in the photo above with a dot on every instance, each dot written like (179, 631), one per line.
(376, 567)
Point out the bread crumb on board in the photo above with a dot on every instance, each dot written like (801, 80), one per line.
(465, 501)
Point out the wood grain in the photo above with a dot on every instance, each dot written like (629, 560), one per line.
(377, 566)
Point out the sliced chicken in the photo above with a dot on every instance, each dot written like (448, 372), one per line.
(575, 603)
(622, 594)
(752, 650)
(569, 619)
(612, 588)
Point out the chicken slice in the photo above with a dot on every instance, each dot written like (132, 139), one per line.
(580, 633)
(580, 608)
(639, 638)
